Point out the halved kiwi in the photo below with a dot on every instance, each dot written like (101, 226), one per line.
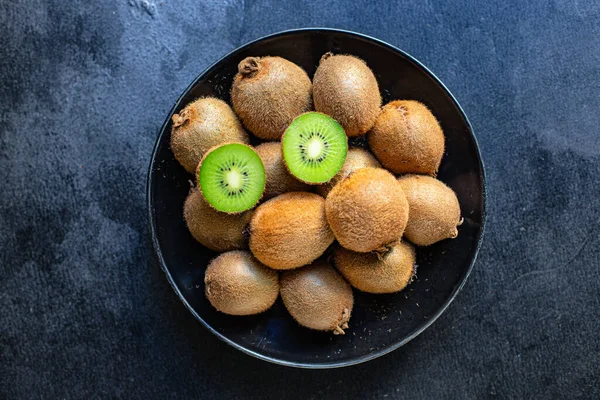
(231, 177)
(314, 147)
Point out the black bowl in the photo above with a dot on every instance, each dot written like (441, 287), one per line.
(379, 323)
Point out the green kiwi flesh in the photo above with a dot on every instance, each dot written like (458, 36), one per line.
(238, 284)
(232, 177)
(314, 147)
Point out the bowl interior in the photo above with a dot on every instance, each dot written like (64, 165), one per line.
(379, 323)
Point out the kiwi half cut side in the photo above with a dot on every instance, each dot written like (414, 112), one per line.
(314, 147)
(232, 177)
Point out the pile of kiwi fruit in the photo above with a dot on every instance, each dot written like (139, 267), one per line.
(310, 213)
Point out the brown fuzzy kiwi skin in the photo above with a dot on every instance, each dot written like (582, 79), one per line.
(238, 284)
(268, 93)
(317, 297)
(407, 138)
(290, 230)
(389, 272)
(202, 124)
(213, 229)
(356, 159)
(434, 210)
(345, 88)
(279, 180)
(367, 211)
(197, 175)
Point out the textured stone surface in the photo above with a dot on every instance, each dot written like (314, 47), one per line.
(84, 89)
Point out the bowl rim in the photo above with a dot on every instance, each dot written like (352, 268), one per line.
(358, 360)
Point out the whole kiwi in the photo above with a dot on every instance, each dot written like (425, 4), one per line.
(317, 297)
(279, 180)
(268, 93)
(290, 230)
(434, 210)
(367, 211)
(356, 158)
(389, 272)
(202, 124)
(237, 284)
(216, 230)
(345, 88)
(406, 138)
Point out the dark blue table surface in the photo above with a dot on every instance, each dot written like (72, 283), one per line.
(84, 89)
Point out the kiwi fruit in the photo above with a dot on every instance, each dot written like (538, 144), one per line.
(367, 210)
(268, 93)
(356, 159)
(213, 229)
(279, 180)
(237, 284)
(202, 124)
(231, 177)
(407, 138)
(290, 230)
(314, 147)
(388, 272)
(345, 88)
(317, 297)
(434, 210)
